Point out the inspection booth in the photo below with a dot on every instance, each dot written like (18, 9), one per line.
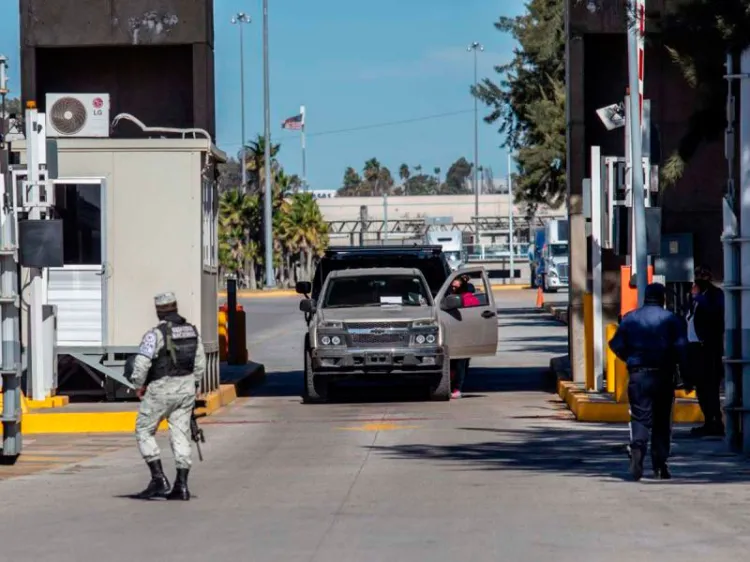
(139, 218)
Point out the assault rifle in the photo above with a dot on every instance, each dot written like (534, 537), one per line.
(196, 434)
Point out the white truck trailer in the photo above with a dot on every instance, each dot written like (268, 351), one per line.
(452, 244)
(555, 256)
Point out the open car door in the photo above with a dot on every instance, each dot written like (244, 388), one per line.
(471, 330)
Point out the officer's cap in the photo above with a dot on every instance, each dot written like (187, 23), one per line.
(165, 299)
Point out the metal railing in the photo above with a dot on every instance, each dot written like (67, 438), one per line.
(489, 252)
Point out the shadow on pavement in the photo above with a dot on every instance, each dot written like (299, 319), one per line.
(480, 381)
(577, 452)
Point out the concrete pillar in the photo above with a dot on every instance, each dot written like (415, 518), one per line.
(576, 171)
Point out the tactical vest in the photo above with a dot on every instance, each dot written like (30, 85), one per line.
(177, 356)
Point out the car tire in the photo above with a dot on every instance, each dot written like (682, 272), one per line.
(315, 387)
(440, 391)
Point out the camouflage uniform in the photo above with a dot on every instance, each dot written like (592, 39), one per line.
(169, 397)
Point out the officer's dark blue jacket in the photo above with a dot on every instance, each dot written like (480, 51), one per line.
(709, 316)
(650, 338)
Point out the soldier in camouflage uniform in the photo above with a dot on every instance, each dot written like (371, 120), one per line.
(166, 373)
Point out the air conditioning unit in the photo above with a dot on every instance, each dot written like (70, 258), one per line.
(78, 115)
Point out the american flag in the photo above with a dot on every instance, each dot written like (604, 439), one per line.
(294, 123)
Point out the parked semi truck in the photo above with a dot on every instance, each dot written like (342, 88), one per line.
(452, 245)
(550, 256)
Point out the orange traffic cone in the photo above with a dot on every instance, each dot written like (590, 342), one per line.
(539, 298)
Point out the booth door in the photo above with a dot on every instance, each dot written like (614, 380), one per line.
(78, 289)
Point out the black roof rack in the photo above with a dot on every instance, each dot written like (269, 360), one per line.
(335, 251)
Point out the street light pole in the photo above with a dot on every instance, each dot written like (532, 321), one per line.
(268, 199)
(240, 19)
(476, 47)
(510, 218)
(640, 250)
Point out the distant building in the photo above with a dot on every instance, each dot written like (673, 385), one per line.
(323, 193)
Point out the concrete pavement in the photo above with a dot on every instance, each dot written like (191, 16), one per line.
(502, 474)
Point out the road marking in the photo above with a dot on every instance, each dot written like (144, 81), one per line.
(379, 426)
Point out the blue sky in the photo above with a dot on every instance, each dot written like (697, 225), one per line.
(352, 64)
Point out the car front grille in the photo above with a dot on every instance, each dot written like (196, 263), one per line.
(562, 271)
(380, 340)
(377, 326)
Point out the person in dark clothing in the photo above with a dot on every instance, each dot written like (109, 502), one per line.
(652, 342)
(709, 329)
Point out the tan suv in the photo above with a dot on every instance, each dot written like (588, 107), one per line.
(385, 323)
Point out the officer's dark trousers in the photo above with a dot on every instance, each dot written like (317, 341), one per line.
(651, 395)
(708, 384)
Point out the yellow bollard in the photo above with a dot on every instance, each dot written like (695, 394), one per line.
(611, 358)
(621, 382)
(223, 338)
(588, 339)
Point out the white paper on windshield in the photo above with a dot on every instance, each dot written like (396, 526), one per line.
(391, 300)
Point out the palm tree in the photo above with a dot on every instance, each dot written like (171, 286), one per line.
(305, 231)
(698, 34)
(404, 173)
(256, 157)
(239, 227)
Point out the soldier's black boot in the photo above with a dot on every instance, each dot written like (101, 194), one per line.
(180, 490)
(159, 485)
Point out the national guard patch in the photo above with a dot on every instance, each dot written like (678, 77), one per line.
(148, 345)
(183, 332)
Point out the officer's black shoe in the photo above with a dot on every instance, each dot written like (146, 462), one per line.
(662, 473)
(700, 431)
(636, 463)
(716, 430)
(159, 485)
(180, 490)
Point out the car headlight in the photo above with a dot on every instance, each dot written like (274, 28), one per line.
(332, 325)
(330, 339)
(426, 337)
(427, 323)
(552, 273)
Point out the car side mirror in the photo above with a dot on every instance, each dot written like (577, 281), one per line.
(303, 287)
(451, 302)
(307, 305)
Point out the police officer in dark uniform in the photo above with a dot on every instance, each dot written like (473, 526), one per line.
(652, 342)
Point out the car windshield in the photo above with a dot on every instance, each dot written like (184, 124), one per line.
(558, 250)
(377, 290)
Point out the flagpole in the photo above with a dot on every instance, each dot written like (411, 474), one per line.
(304, 162)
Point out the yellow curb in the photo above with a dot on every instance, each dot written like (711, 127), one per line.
(49, 402)
(226, 394)
(510, 287)
(602, 408)
(262, 294)
(110, 422)
(82, 422)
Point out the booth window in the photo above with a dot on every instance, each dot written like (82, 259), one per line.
(210, 224)
(80, 208)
